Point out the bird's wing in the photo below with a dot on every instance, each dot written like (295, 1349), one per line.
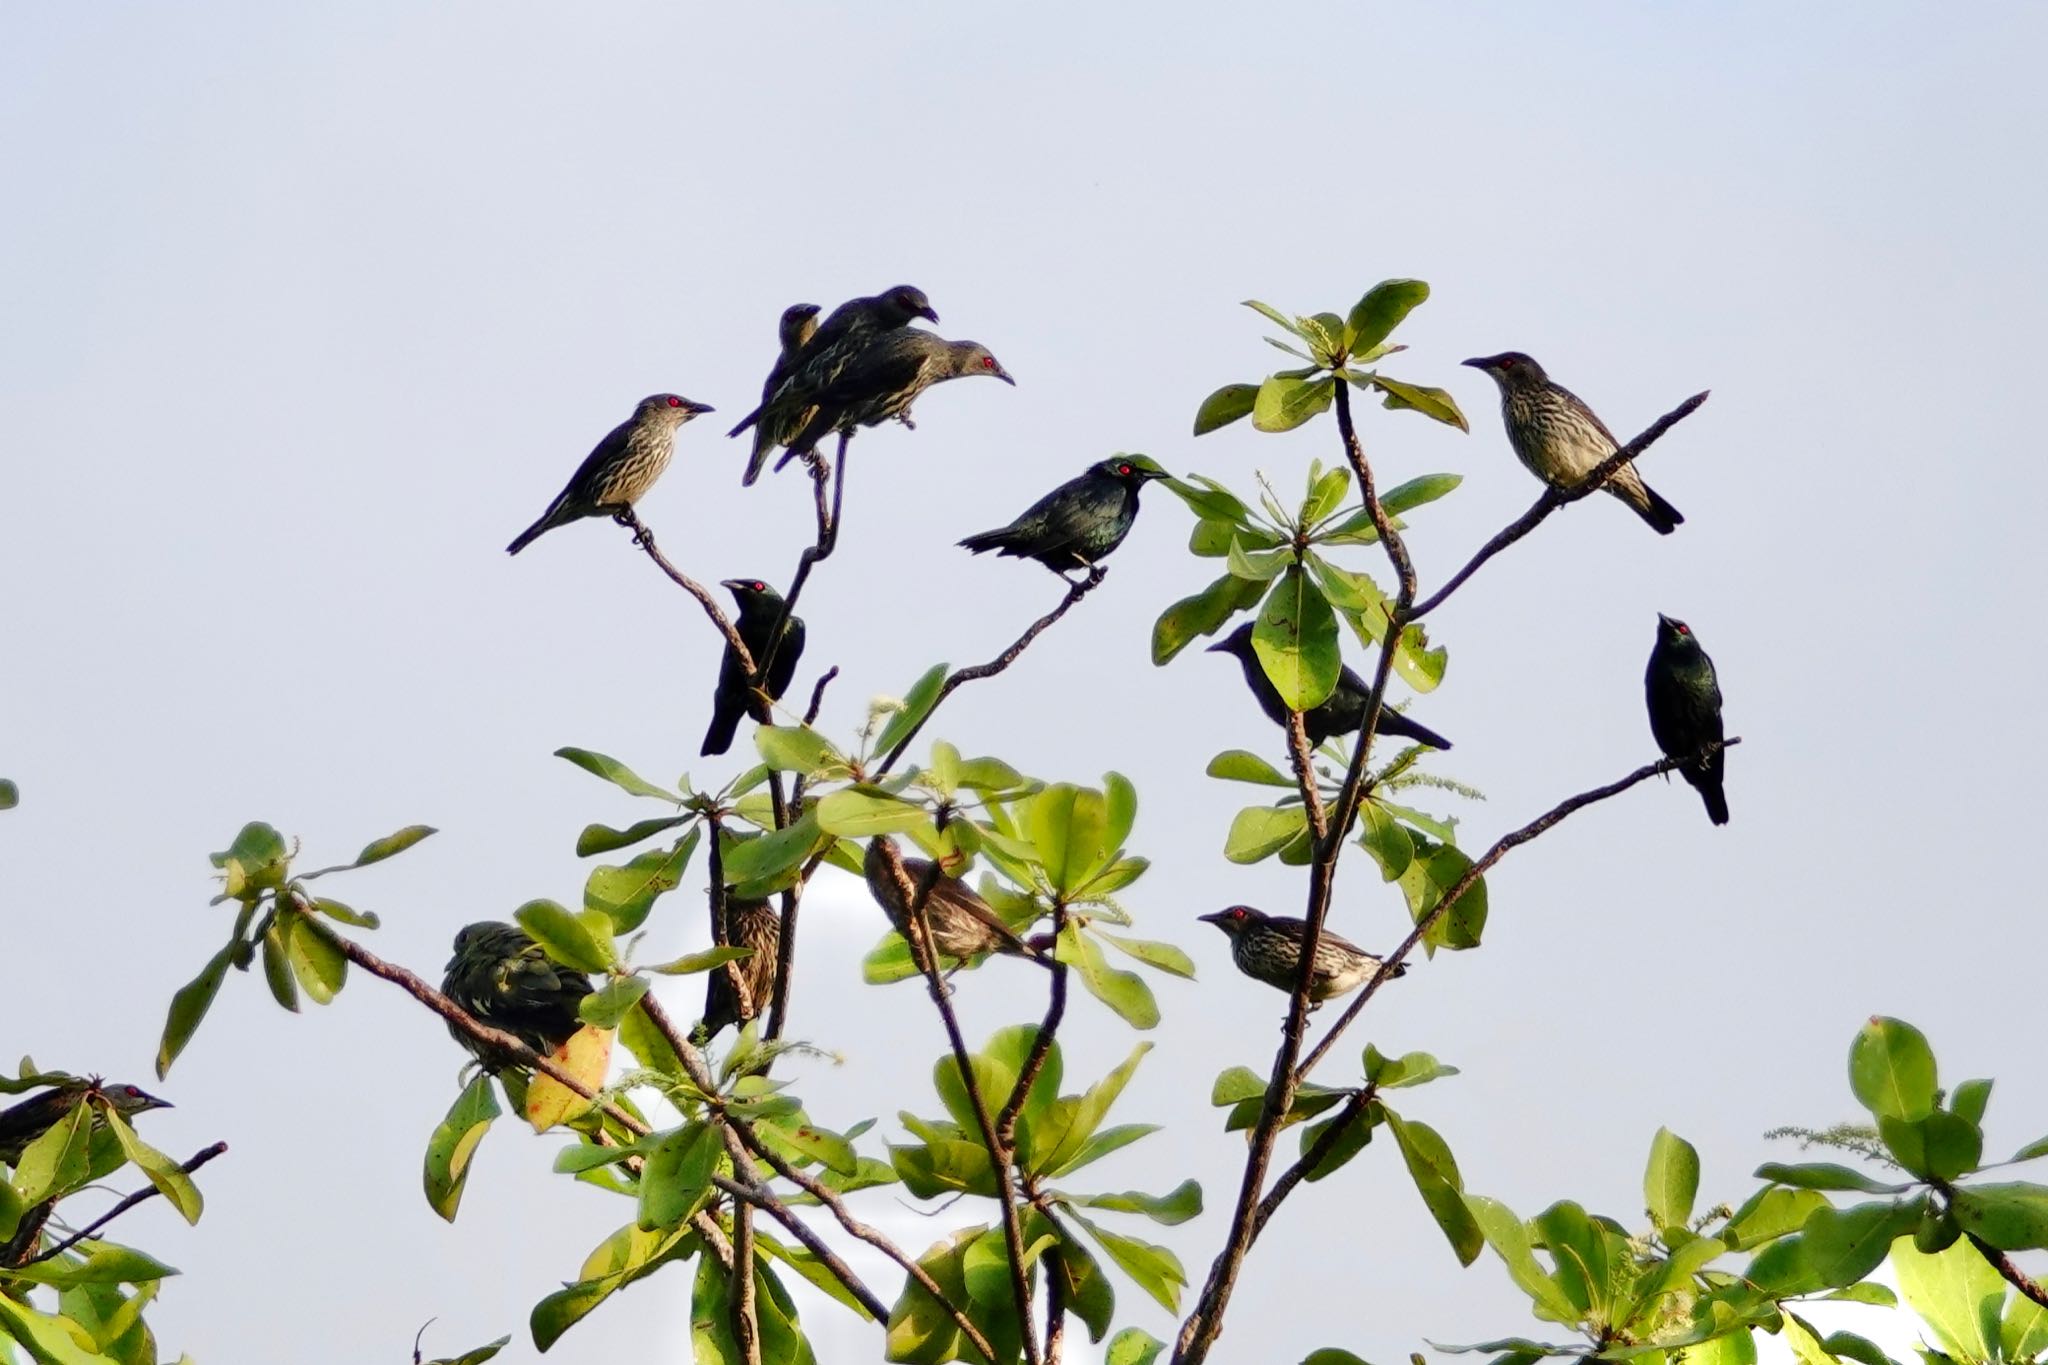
(885, 365)
(783, 669)
(1587, 413)
(1068, 514)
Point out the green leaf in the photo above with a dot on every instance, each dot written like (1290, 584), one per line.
(917, 704)
(689, 964)
(475, 1357)
(455, 1141)
(1259, 832)
(856, 814)
(1224, 406)
(1971, 1099)
(1510, 1240)
(342, 914)
(597, 839)
(819, 1144)
(2037, 1148)
(315, 961)
(1133, 1346)
(1274, 315)
(1069, 828)
(1950, 1292)
(1296, 641)
(1124, 992)
(1182, 1202)
(1285, 402)
(1850, 1346)
(1241, 765)
(1436, 1178)
(1406, 497)
(1331, 1355)
(1891, 1070)
(676, 1180)
(1414, 1068)
(377, 850)
(1084, 1288)
(1845, 1245)
(1070, 1125)
(1209, 499)
(799, 749)
(257, 861)
(1380, 311)
(1941, 1146)
(1325, 495)
(1824, 1175)
(923, 1332)
(626, 895)
(1203, 614)
(768, 856)
(1154, 1269)
(2024, 1332)
(58, 1160)
(1433, 871)
(2010, 1215)
(96, 1263)
(1164, 956)
(1430, 402)
(1357, 1126)
(1383, 837)
(1672, 1179)
(171, 1182)
(1257, 567)
(569, 939)
(625, 1256)
(277, 971)
(617, 773)
(47, 1339)
(10, 793)
(1236, 1084)
(189, 1006)
(1769, 1214)
(607, 1005)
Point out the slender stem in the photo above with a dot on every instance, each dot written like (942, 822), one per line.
(644, 538)
(1305, 774)
(1554, 498)
(1320, 1148)
(1055, 1304)
(1041, 1046)
(830, 1259)
(2010, 1271)
(746, 1325)
(199, 1159)
(1076, 590)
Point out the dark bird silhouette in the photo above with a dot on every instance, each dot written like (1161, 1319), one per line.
(1077, 524)
(624, 466)
(1268, 948)
(748, 924)
(1685, 711)
(1341, 713)
(501, 977)
(23, 1123)
(962, 924)
(798, 325)
(788, 407)
(1561, 441)
(760, 609)
(884, 378)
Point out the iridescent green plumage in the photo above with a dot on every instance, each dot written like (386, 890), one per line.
(501, 977)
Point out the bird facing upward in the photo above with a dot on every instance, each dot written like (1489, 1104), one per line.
(1077, 524)
(1684, 699)
(623, 466)
(501, 977)
(760, 608)
(748, 924)
(1561, 441)
(1268, 948)
(1341, 713)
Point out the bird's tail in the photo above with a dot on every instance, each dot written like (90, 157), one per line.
(1708, 784)
(1662, 516)
(724, 725)
(749, 420)
(1399, 726)
(986, 541)
(549, 520)
(764, 446)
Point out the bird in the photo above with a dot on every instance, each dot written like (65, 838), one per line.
(884, 378)
(502, 978)
(1561, 441)
(760, 608)
(624, 465)
(962, 924)
(1684, 698)
(1077, 524)
(798, 325)
(21, 1124)
(1341, 713)
(784, 410)
(1268, 948)
(748, 924)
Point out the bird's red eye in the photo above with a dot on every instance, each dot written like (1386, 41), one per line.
(1684, 629)
(131, 1092)
(675, 402)
(760, 587)
(988, 362)
(1123, 469)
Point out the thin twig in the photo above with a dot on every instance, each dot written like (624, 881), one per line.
(2010, 1271)
(1353, 1110)
(1554, 498)
(1076, 590)
(1041, 1045)
(818, 694)
(1055, 1304)
(1305, 773)
(199, 1159)
(644, 538)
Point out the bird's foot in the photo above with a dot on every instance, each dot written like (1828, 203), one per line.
(820, 471)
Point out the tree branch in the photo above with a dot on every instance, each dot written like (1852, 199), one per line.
(2009, 1270)
(1554, 498)
(1041, 1046)
(1354, 1109)
(644, 538)
(1076, 590)
(146, 1192)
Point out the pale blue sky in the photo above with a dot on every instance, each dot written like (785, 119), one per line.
(309, 310)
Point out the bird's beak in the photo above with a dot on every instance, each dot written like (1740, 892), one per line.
(927, 312)
(1144, 473)
(1477, 364)
(1220, 647)
(1665, 621)
(1004, 375)
(732, 584)
(1213, 917)
(697, 409)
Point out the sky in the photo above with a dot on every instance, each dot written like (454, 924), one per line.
(310, 309)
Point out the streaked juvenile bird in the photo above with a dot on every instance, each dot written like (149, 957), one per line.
(884, 378)
(798, 325)
(1685, 711)
(748, 924)
(1077, 524)
(503, 978)
(1559, 438)
(786, 409)
(760, 609)
(624, 466)
(962, 924)
(1341, 713)
(1268, 948)
(23, 1123)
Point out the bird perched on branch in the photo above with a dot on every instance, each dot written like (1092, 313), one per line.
(760, 609)
(798, 325)
(1341, 713)
(1268, 948)
(1685, 711)
(23, 1123)
(788, 406)
(884, 378)
(502, 978)
(1561, 441)
(624, 466)
(748, 924)
(1077, 524)
(962, 924)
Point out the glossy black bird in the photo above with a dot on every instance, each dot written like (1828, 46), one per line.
(962, 924)
(1685, 711)
(1561, 441)
(23, 1123)
(748, 924)
(624, 466)
(828, 351)
(1268, 948)
(503, 978)
(760, 609)
(1077, 524)
(1341, 713)
(884, 378)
